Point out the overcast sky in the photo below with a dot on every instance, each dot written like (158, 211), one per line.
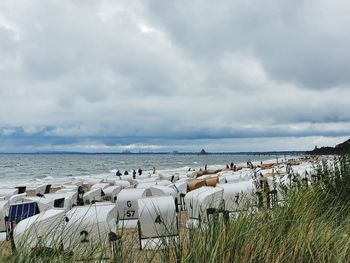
(233, 75)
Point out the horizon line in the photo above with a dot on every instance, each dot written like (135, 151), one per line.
(160, 152)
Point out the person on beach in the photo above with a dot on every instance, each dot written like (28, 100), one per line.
(126, 173)
(205, 167)
(250, 164)
(231, 165)
(154, 169)
(140, 171)
(80, 196)
(134, 174)
(227, 166)
(118, 173)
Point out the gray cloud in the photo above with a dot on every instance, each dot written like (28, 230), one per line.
(113, 74)
(301, 41)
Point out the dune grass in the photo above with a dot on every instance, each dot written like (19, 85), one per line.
(312, 225)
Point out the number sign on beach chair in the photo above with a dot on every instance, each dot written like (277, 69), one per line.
(128, 206)
(158, 224)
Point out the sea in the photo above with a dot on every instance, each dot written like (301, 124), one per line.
(34, 169)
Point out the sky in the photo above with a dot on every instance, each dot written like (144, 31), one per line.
(155, 75)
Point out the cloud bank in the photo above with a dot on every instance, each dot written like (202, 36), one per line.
(156, 75)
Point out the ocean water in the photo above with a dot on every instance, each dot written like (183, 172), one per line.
(19, 169)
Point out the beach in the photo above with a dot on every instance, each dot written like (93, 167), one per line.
(123, 199)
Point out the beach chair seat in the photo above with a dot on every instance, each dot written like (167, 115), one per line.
(47, 189)
(21, 189)
(212, 181)
(195, 184)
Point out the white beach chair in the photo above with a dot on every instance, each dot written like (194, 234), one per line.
(8, 192)
(122, 183)
(18, 198)
(64, 200)
(40, 189)
(100, 185)
(111, 193)
(236, 196)
(90, 230)
(200, 201)
(127, 205)
(41, 230)
(161, 190)
(92, 196)
(91, 181)
(158, 224)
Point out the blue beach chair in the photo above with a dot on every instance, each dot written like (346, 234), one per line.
(17, 213)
